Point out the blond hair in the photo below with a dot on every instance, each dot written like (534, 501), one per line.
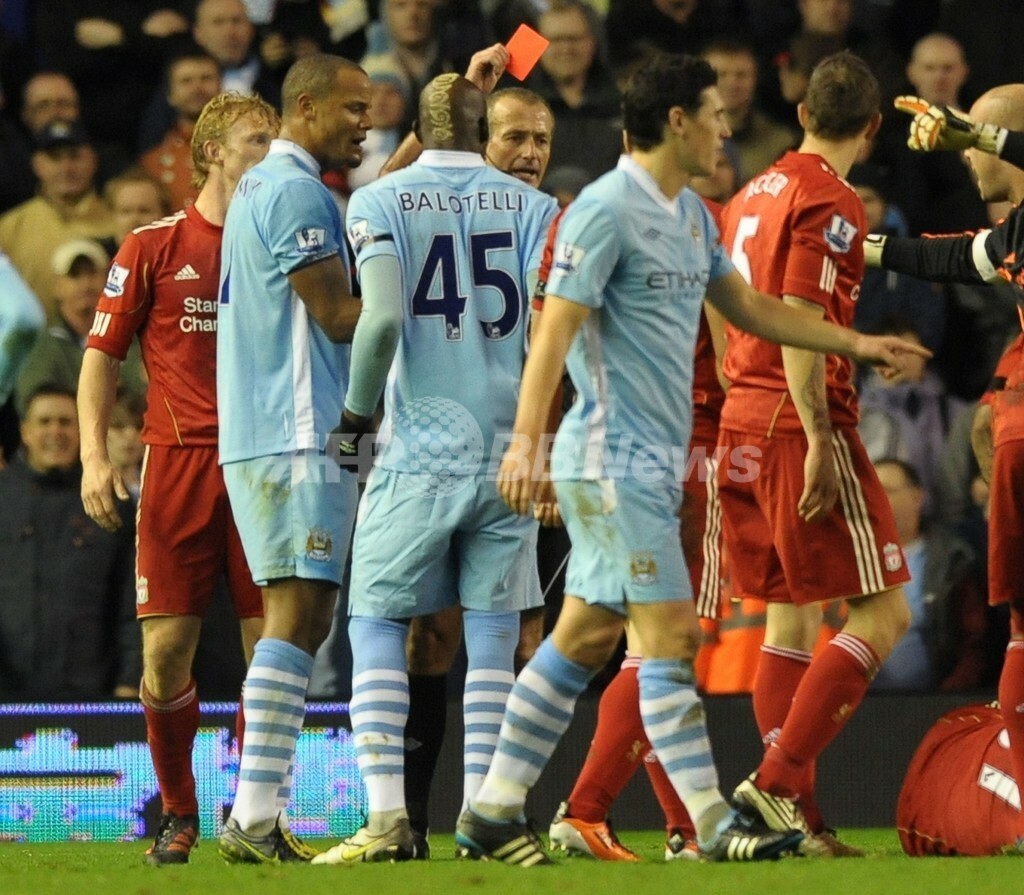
(217, 118)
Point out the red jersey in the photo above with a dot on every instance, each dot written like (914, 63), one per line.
(163, 285)
(959, 796)
(708, 396)
(796, 230)
(1007, 394)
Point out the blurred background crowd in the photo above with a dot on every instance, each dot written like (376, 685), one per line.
(97, 103)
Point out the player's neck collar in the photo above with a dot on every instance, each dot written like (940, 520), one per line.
(290, 147)
(648, 184)
(450, 158)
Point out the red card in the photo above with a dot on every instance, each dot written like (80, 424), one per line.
(525, 47)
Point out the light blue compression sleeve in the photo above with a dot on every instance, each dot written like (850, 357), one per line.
(377, 333)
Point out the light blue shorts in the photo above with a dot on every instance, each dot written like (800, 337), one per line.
(417, 551)
(294, 513)
(625, 542)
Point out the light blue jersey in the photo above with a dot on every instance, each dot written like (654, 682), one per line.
(280, 380)
(465, 236)
(642, 262)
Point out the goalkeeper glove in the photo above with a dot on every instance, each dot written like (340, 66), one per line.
(940, 127)
(343, 444)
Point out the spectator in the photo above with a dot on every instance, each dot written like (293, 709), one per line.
(579, 88)
(79, 267)
(67, 595)
(909, 416)
(113, 50)
(135, 198)
(47, 96)
(945, 645)
(644, 27)
(305, 26)
(934, 190)
(21, 319)
(795, 64)
(391, 103)
(124, 440)
(834, 19)
(66, 207)
(193, 79)
(758, 139)
(990, 31)
(413, 46)
(884, 294)
(223, 29)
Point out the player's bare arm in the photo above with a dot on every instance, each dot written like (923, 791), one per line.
(805, 376)
(770, 319)
(102, 485)
(541, 375)
(981, 440)
(323, 288)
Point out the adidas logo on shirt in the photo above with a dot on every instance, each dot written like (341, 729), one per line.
(188, 272)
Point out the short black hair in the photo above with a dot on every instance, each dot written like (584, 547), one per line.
(49, 390)
(665, 81)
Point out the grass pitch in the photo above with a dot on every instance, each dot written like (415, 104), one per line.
(82, 868)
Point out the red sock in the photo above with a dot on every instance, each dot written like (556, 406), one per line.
(779, 672)
(619, 744)
(676, 815)
(1011, 703)
(171, 730)
(240, 725)
(826, 699)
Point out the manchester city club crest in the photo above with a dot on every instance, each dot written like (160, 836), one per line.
(642, 567)
(319, 545)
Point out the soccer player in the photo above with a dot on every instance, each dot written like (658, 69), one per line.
(989, 255)
(636, 254)
(960, 795)
(285, 305)
(520, 126)
(162, 285)
(444, 250)
(816, 524)
(620, 744)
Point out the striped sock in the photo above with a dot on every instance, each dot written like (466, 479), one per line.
(491, 639)
(379, 710)
(275, 703)
(539, 710)
(674, 720)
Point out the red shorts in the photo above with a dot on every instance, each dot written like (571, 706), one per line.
(773, 553)
(959, 796)
(700, 530)
(1006, 524)
(187, 537)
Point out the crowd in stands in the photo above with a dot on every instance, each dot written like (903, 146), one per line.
(98, 99)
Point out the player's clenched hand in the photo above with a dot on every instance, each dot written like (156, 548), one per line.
(100, 484)
(937, 128)
(515, 483)
(487, 66)
(344, 440)
(888, 354)
(545, 504)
